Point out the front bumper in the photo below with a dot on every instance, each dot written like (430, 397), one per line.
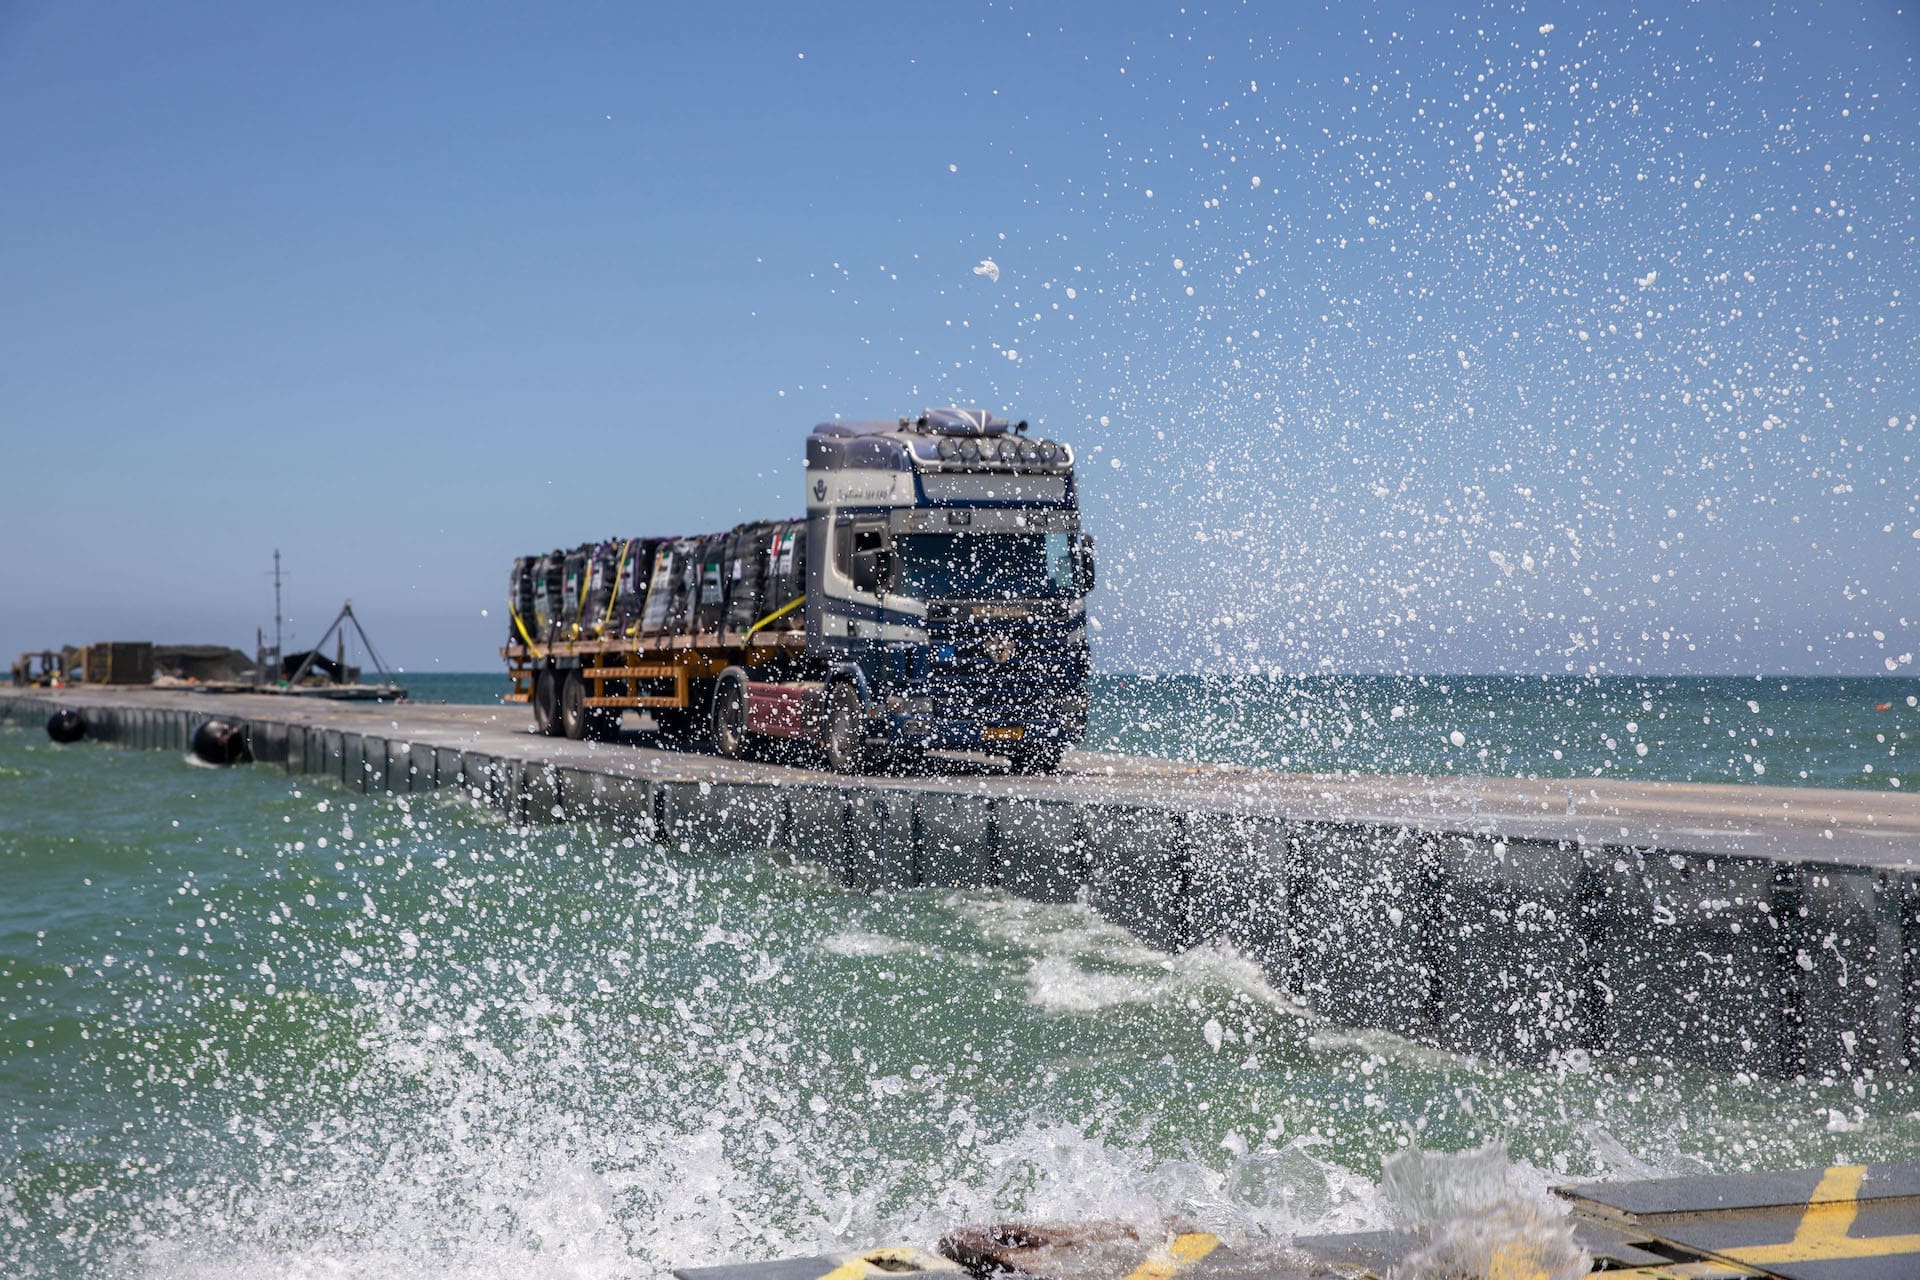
(997, 735)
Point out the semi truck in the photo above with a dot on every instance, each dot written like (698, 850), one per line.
(932, 598)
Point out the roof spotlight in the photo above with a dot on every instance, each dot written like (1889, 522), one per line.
(969, 450)
(1028, 453)
(1049, 452)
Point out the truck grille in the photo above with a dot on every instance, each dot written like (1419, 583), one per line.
(997, 667)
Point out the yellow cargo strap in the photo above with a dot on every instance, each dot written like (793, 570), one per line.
(521, 627)
(777, 614)
(613, 597)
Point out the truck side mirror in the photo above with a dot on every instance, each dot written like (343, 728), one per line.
(1083, 572)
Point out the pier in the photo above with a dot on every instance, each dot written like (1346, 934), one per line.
(1845, 1222)
(1768, 930)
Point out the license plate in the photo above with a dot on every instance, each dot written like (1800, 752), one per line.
(1012, 733)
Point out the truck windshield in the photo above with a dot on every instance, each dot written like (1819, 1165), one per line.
(973, 566)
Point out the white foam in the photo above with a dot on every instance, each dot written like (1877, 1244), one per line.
(859, 944)
(1059, 985)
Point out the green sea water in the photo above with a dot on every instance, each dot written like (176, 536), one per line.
(254, 1025)
(1851, 731)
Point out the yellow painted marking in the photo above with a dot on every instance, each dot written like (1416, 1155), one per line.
(1822, 1233)
(908, 1256)
(1516, 1262)
(1677, 1271)
(861, 1266)
(1183, 1252)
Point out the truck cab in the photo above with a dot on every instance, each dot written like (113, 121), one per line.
(947, 577)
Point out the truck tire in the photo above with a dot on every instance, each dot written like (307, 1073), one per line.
(546, 701)
(730, 714)
(842, 734)
(1041, 757)
(573, 706)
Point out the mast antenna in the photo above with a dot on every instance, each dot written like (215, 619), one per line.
(277, 650)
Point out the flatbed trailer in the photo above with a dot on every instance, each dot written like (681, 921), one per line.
(673, 674)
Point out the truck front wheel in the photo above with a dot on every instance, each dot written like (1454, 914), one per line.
(842, 735)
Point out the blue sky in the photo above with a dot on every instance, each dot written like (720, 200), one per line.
(1540, 337)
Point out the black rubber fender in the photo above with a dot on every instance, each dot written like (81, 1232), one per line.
(221, 742)
(66, 725)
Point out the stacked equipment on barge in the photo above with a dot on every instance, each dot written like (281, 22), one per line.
(934, 597)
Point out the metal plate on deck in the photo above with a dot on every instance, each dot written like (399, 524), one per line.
(1119, 1251)
(873, 1264)
(779, 1269)
(1615, 1250)
(1362, 1253)
(1616, 1245)
(1848, 1222)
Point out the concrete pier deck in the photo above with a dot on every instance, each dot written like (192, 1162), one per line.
(1773, 930)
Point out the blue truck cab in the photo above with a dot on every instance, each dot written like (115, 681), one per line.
(947, 577)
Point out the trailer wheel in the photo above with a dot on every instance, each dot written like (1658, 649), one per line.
(573, 706)
(1042, 757)
(841, 734)
(546, 702)
(730, 713)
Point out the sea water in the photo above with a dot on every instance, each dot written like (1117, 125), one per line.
(255, 1024)
(1818, 731)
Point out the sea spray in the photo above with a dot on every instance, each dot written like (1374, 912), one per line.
(443, 1044)
(1482, 1216)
